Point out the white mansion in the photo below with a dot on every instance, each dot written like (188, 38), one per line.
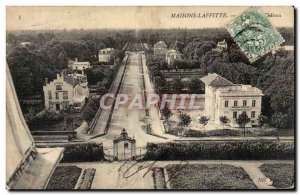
(105, 55)
(76, 65)
(223, 98)
(64, 91)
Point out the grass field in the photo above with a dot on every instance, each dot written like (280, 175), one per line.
(64, 178)
(208, 177)
(282, 175)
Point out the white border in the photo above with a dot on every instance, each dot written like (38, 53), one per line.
(4, 3)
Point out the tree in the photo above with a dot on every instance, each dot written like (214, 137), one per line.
(195, 86)
(159, 83)
(242, 120)
(69, 121)
(262, 120)
(177, 85)
(63, 60)
(280, 120)
(224, 120)
(166, 112)
(184, 120)
(88, 113)
(203, 121)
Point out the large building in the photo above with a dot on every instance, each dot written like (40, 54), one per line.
(160, 48)
(79, 65)
(172, 56)
(105, 55)
(223, 98)
(65, 91)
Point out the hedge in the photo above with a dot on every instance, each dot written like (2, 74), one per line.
(80, 152)
(86, 152)
(238, 150)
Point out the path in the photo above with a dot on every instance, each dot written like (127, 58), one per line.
(133, 120)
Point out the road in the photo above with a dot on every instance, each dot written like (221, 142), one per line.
(134, 119)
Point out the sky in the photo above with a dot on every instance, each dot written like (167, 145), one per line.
(37, 18)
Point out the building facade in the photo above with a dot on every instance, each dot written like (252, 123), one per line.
(105, 55)
(172, 56)
(79, 65)
(223, 98)
(160, 48)
(65, 91)
(221, 46)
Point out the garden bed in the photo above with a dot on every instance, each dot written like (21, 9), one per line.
(212, 177)
(158, 178)
(64, 178)
(282, 175)
(86, 179)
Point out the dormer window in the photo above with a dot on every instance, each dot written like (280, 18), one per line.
(58, 87)
(49, 95)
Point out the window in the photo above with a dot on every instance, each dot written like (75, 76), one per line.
(253, 103)
(65, 95)
(234, 114)
(244, 102)
(49, 95)
(226, 104)
(65, 105)
(56, 95)
(235, 103)
(50, 105)
(58, 87)
(253, 114)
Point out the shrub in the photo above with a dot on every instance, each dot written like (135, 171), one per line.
(224, 132)
(83, 152)
(78, 152)
(246, 150)
(34, 120)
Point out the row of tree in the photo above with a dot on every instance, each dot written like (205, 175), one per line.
(185, 119)
(48, 53)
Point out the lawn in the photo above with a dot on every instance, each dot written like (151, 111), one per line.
(198, 176)
(282, 175)
(64, 178)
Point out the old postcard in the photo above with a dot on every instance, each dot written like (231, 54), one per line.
(150, 98)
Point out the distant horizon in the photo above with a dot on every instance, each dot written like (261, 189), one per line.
(60, 18)
(90, 29)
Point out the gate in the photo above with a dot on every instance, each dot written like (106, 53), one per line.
(124, 147)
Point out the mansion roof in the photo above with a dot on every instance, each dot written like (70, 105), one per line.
(215, 80)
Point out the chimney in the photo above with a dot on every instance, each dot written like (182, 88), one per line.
(76, 59)
(46, 81)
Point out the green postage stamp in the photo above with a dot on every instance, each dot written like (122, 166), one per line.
(254, 33)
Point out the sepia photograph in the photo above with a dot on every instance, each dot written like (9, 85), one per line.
(165, 98)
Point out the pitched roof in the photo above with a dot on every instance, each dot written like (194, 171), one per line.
(70, 80)
(215, 80)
